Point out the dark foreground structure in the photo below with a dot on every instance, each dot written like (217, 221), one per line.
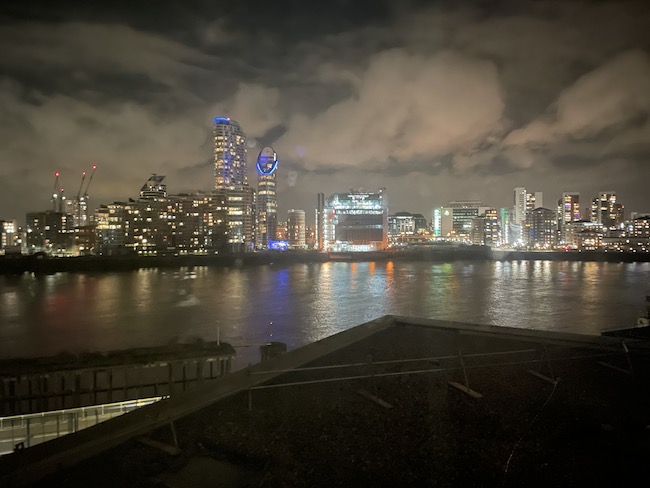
(394, 402)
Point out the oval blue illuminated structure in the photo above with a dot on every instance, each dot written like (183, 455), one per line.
(223, 120)
(267, 161)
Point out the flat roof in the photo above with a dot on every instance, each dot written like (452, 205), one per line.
(393, 402)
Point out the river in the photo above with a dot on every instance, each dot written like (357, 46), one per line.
(300, 303)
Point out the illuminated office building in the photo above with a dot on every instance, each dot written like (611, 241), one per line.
(231, 178)
(267, 202)
(454, 221)
(355, 221)
(403, 226)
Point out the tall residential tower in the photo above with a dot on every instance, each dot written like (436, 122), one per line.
(231, 180)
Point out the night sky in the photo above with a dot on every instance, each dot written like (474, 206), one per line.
(433, 100)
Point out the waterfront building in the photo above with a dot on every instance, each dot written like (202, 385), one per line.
(582, 235)
(400, 225)
(109, 229)
(296, 229)
(231, 178)
(589, 240)
(197, 223)
(49, 231)
(267, 202)
(159, 224)
(404, 225)
(454, 221)
(147, 232)
(540, 229)
(635, 237)
(356, 221)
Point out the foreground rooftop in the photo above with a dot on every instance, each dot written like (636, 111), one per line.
(394, 402)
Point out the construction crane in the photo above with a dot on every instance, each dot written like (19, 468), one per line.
(83, 177)
(55, 195)
(78, 200)
(84, 198)
(92, 173)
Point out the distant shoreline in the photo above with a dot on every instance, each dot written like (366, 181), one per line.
(22, 264)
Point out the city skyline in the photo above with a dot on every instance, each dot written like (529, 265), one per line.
(434, 102)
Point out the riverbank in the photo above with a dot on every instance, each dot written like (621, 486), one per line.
(40, 264)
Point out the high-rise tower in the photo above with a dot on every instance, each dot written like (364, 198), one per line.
(605, 210)
(231, 179)
(267, 202)
(524, 203)
(568, 210)
(229, 155)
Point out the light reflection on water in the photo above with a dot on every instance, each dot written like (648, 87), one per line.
(306, 302)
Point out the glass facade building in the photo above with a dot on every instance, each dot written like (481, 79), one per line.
(355, 221)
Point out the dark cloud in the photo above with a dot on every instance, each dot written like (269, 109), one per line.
(433, 100)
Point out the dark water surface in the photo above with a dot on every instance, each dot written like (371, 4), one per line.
(301, 303)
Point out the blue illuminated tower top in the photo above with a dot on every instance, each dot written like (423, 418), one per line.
(267, 161)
